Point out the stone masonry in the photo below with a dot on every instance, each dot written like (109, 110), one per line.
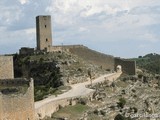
(6, 67)
(44, 32)
(128, 66)
(16, 99)
(16, 95)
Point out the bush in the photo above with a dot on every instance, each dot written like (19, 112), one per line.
(103, 112)
(96, 112)
(133, 90)
(119, 117)
(82, 101)
(135, 109)
(121, 102)
(140, 76)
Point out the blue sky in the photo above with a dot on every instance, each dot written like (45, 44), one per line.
(125, 28)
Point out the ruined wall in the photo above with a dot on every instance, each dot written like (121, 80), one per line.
(16, 99)
(64, 47)
(44, 32)
(6, 67)
(49, 108)
(26, 51)
(128, 66)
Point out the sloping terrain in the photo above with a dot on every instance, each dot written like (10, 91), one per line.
(51, 70)
(94, 57)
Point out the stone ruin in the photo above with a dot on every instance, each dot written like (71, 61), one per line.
(16, 94)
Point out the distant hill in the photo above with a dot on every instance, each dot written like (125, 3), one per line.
(150, 62)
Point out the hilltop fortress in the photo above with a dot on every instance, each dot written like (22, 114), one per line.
(44, 43)
(17, 94)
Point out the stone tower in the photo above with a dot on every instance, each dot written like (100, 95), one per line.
(44, 32)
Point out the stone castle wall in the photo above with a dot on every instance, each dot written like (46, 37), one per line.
(6, 67)
(128, 66)
(16, 99)
(26, 51)
(64, 47)
(107, 62)
(50, 108)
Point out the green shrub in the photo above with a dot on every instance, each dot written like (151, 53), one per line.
(119, 117)
(121, 102)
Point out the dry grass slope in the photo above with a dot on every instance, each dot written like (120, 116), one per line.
(94, 57)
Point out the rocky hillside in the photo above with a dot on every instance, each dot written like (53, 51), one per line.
(122, 99)
(51, 70)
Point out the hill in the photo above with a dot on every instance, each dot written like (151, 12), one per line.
(150, 62)
(94, 57)
(52, 70)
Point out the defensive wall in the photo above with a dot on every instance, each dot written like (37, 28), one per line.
(128, 66)
(64, 47)
(53, 106)
(16, 99)
(50, 108)
(6, 67)
(107, 62)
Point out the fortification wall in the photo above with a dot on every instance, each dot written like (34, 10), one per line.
(50, 108)
(16, 99)
(6, 67)
(128, 66)
(26, 51)
(64, 47)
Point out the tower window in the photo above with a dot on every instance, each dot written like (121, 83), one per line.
(45, 26)
(46, 40)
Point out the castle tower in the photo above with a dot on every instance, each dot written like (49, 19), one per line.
(44, 32)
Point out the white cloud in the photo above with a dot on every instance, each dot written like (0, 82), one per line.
(23, 1)
(149, 37)
(83, 29)
(87, 21)
(9, 14)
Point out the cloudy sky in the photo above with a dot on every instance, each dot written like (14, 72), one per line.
(125, 28)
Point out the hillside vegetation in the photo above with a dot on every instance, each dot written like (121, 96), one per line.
(150, 62)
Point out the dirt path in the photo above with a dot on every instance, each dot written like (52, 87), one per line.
(77, 90)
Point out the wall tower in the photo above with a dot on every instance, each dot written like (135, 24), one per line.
(44, 32)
